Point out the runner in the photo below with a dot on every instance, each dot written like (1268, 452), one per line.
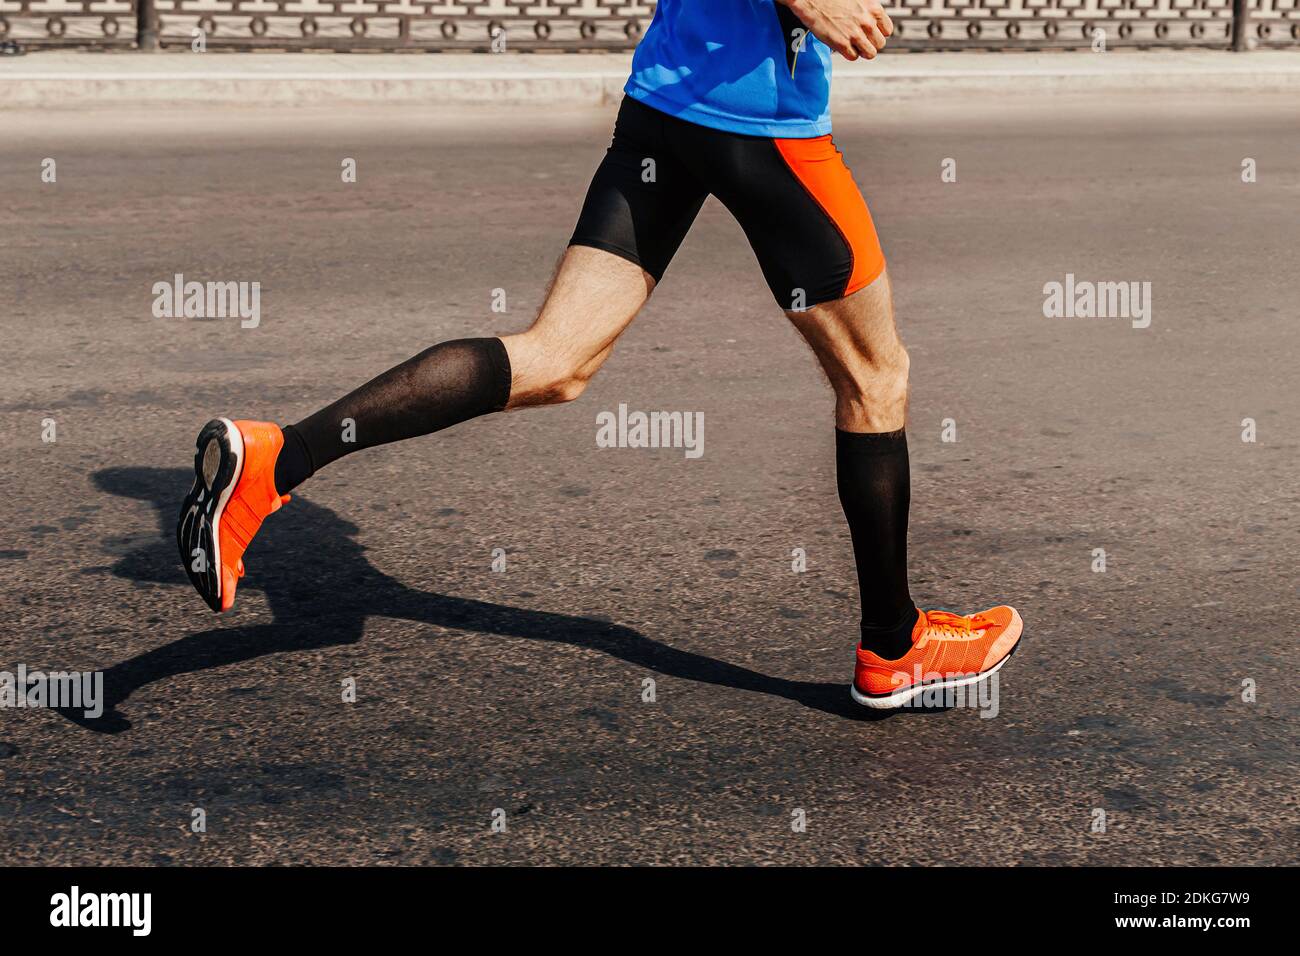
(729, 98)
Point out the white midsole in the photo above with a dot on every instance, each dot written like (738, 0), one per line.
(901, 697)
(236, 449)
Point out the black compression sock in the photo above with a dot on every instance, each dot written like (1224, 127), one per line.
(293, 466)
(443, 385)
(891, 643)
(875, 490)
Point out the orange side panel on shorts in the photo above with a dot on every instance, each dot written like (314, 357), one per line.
(819, 166)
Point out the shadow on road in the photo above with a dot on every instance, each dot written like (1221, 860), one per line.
(321, 589)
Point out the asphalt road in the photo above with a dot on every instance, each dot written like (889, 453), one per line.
(522, 691)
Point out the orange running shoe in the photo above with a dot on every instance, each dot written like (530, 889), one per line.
(234, 490)
(948, 650)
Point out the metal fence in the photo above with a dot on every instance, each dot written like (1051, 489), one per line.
(534, 25)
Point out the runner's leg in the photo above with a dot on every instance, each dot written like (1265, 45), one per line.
(816, 244)
(855, 340)
(814, 239)
(638, 209)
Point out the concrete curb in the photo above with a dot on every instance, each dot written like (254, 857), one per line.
(58, 80)
(198, 91)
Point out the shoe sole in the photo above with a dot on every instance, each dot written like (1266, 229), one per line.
(218, 463)
(901, 697)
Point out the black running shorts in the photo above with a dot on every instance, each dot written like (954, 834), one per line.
(795, 199)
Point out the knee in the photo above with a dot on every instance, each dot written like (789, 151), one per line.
(553, 385)
(882, 377)
(897, 371)
(565, 386)
(872, 397)
(542, 375)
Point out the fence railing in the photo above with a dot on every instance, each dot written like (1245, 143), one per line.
(535, 25)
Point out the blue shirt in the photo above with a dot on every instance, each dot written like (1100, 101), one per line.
(745, 66)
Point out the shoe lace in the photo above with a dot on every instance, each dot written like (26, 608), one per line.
(951, 625)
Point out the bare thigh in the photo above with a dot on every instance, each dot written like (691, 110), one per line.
(593, 298)
(857, 344)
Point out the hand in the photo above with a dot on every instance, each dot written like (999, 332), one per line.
(852, 28)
